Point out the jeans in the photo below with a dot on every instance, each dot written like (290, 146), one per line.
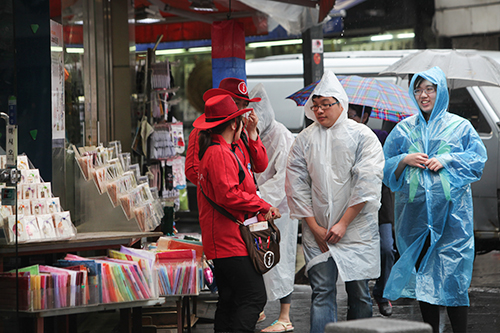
(387, 253)
(323, 280)
(242, 295)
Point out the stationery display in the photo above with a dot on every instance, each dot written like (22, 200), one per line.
(179, 273)
(112, 173)
(175, 272)
(45, 287)
(39, 215)
(79, 281)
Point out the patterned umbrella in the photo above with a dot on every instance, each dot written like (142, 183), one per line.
(389, 101)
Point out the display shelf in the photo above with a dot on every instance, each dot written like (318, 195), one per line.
(83, 241)
(90, 308)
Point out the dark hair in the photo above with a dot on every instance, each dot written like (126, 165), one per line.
(205, 136)
(359, 110)
(318, 96)
(418, 81)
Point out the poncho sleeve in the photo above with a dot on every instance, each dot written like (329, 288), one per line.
(298, 182)
(464, 167)
(367, 171)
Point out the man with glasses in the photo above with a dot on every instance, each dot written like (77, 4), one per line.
(333, 182)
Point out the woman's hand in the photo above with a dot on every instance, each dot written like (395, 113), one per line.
(433, 164)
(273, 213)
(251, 125)
(417, 160)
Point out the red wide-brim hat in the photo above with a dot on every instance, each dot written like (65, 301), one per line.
(218, 110)
(234, 87)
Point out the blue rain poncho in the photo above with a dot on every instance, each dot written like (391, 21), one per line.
(436, 204)
(329, 170)
(277, 139)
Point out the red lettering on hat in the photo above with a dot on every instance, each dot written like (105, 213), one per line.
(242, 87)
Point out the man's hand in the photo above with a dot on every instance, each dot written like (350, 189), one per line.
(251, 125)
(318, 232)
(319, 235)
(433, 164)
(336, 233)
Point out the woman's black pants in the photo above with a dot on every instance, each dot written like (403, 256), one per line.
(242, 295)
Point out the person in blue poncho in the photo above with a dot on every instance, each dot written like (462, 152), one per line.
(431, 160)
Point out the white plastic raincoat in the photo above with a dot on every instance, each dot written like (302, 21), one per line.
(329, 170)
(277, 139)
(438, 204)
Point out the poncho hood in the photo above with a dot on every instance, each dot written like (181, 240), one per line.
(329, 86)
(263, 109)
(436, 76)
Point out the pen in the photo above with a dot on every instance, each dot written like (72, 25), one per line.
(257, 244)
(260, 242)
(268, 239)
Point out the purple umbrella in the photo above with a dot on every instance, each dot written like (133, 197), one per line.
(389, 101)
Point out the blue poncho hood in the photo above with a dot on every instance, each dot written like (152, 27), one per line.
(436, 76)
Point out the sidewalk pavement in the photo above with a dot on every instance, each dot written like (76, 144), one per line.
(484, 312)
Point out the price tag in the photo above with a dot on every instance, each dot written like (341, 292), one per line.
(11, 146)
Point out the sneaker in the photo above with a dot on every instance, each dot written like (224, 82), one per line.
(385, 308)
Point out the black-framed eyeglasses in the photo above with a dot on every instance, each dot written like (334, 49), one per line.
(428, 90)
(322, 106)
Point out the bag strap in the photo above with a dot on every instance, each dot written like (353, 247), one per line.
(244, 138)
(220, 209)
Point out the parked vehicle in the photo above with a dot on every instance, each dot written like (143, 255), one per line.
(283, 75)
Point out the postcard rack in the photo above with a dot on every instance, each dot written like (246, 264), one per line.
(95, 210)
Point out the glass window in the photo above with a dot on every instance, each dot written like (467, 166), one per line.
(462, 104)
(492, 94)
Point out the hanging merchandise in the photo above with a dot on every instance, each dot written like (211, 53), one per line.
(177, 132)
(164, 139)
(161, 145)
(161, 75)
(179, 176)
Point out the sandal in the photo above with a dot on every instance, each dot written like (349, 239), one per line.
(278, 327)
(262, 317)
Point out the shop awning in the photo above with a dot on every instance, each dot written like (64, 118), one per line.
(180, 22)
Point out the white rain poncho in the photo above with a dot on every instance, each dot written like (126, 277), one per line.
(329, 170)
(277, 139)
(435, 204)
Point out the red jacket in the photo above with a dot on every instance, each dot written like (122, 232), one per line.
(231, 186)
(257, 151)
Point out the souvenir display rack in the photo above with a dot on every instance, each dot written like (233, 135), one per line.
(161, 155)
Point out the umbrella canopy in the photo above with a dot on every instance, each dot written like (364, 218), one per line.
(389, 101)
(462, 68)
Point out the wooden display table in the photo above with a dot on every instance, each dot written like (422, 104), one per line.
(130, 312)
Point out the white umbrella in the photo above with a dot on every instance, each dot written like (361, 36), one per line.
(462, 68)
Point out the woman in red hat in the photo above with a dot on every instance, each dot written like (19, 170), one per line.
(226, 182)
(251, 150)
